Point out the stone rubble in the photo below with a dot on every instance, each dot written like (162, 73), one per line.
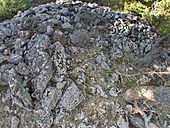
(62, 59)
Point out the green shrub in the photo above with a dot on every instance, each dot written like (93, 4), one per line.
(147, 2)
(137, 8)
(159, 16)
(157, 13)
(9, 7)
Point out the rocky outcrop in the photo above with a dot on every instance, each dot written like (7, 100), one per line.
(54, 57)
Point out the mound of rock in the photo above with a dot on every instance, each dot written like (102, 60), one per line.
(51, 55)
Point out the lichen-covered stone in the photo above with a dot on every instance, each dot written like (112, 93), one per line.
(42, 118)
(53, 55)
(80, 37)
(22, 69)
(14, 122)
(50, 98)
(71, 98)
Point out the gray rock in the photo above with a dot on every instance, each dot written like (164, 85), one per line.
(6, 32)
(44, 47)
(78, 25)
(50, 98)
(71, 98)
(25, 35)
(59, 58)
(126, 32)
(28, 22)
(100, 11)
(2, 35)
(39, 41)
(25, 97)
(101, 92)
(65, 19)
(42, 10)
(114, 78)
(55, 20)
(22, 69)
(20, 95)
(83, 125)
(80, 37)
(3, 58)
(18, 43)
(64, 1)
(122, 123)
(60, 113)
(4, 73)
(37, 60)
(109, 15)
(67, 27)
(2, 47)
(50, 31)
(59, 36)
(116, 53)
(41, 28)
(60, 84)
(92, 5)
(148, 48)
(15, 59)
(88, 18)
(64, 11)
(101, 61)
(40, 81)
(162, 95)
(151, 125)
(43, 16)
(79, 75)
(113, 92)
(42, 119)
(14, 122)
(136, 121)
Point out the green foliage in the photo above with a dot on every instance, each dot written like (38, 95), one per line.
(9, 7)
(115, 4)
(147, 2)
(161, 22)
(137, 8)
(157, 13)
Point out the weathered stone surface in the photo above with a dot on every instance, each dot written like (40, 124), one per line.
(50, 98)
(80, 37)
(39, 41)
(42, 119)
(14, 122)
(67, 26)
(101, 61)
(22, 69)
(59, 58)
(71, 98)
(137, 121)
(56, 56)
(40, 81)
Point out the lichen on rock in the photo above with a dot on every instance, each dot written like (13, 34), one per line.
(62, 59)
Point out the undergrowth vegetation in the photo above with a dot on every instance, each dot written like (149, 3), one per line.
(157, 13)
(10, 7)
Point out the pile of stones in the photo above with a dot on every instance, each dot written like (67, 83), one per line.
(51, 54)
